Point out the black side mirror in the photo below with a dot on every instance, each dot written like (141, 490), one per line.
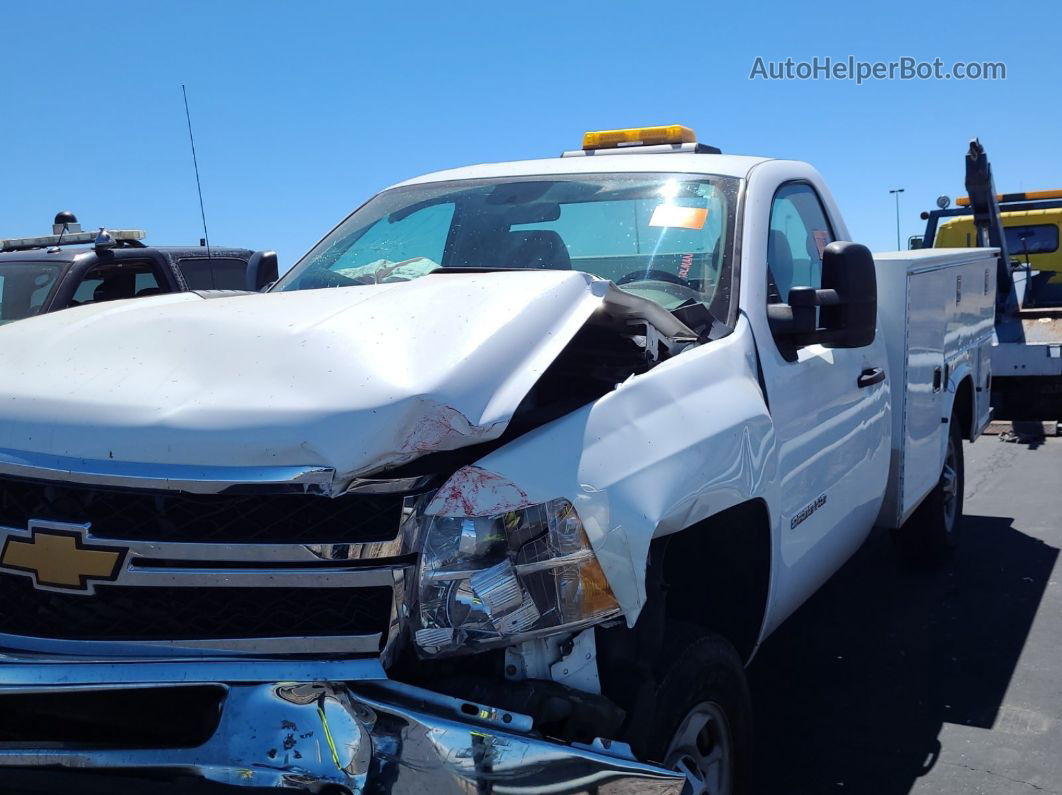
(843, 314)
(848, 269)
(262, 270)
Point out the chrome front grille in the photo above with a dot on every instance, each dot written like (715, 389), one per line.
(159, 515)
(125, 613)
(233, 573)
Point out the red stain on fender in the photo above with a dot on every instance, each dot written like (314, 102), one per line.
(473, 491)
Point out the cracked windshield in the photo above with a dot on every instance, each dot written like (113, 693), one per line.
(663, 237)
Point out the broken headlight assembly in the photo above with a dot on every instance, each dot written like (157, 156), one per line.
(494, 580)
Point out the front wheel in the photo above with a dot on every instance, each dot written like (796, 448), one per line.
(702, 722)
(702, 749)
(932, 532)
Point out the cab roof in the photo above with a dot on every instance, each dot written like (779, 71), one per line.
(68, 254)
(601, 163)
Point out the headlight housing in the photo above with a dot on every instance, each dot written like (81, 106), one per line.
(494, 580)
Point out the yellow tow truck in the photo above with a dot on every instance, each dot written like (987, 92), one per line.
(1031, 225)
(1025, 227)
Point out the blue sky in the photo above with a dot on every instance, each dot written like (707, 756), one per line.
(302, 110)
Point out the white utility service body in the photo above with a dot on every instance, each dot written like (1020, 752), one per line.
(944, 301)
(337, 393)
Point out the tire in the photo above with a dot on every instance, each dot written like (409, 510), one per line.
(930, 536)
(701, 721)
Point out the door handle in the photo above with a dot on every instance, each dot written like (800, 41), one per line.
(874, 375)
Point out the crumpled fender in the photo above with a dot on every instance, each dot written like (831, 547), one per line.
(664, 450)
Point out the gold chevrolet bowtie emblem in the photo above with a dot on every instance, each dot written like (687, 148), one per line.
(59, 558)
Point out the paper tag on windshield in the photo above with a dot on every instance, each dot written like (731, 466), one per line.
(822, 237)
(671, 215)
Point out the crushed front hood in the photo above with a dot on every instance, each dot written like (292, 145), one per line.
(357, 379)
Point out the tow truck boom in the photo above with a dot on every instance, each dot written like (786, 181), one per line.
(988, 223)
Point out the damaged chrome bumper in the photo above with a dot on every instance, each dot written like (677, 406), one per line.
(374, 736)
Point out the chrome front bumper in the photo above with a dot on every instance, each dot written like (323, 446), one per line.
(374, 736)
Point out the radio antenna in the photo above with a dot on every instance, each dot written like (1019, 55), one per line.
(195, 162)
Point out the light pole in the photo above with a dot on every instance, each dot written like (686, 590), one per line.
(898, 191)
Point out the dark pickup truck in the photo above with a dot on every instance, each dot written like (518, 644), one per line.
(72, 267)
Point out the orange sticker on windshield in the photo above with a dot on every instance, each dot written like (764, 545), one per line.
(681, 217)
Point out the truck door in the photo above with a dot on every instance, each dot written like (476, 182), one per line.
(830, 408)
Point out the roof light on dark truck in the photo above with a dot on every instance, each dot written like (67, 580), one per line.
(73, 268)
(67, 232)
(502, 484)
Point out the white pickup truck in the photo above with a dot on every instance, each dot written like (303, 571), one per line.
(497, 490)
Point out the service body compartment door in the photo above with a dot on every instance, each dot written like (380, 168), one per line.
(925, 416)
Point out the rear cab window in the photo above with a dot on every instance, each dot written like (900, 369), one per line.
(1031, 239)
(214, 273)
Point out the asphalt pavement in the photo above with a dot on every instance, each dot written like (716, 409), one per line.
(891, 680)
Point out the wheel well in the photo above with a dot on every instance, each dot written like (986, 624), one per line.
(716, 573)
(962, 408)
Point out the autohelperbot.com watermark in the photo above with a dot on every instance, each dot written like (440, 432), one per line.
(859, 71)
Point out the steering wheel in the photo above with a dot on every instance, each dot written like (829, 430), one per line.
(653, 274)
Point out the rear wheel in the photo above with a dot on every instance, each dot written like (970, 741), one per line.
(931, 534)
(701, 725)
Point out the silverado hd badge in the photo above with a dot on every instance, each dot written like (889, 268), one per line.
(58, 558)
(805, 512)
